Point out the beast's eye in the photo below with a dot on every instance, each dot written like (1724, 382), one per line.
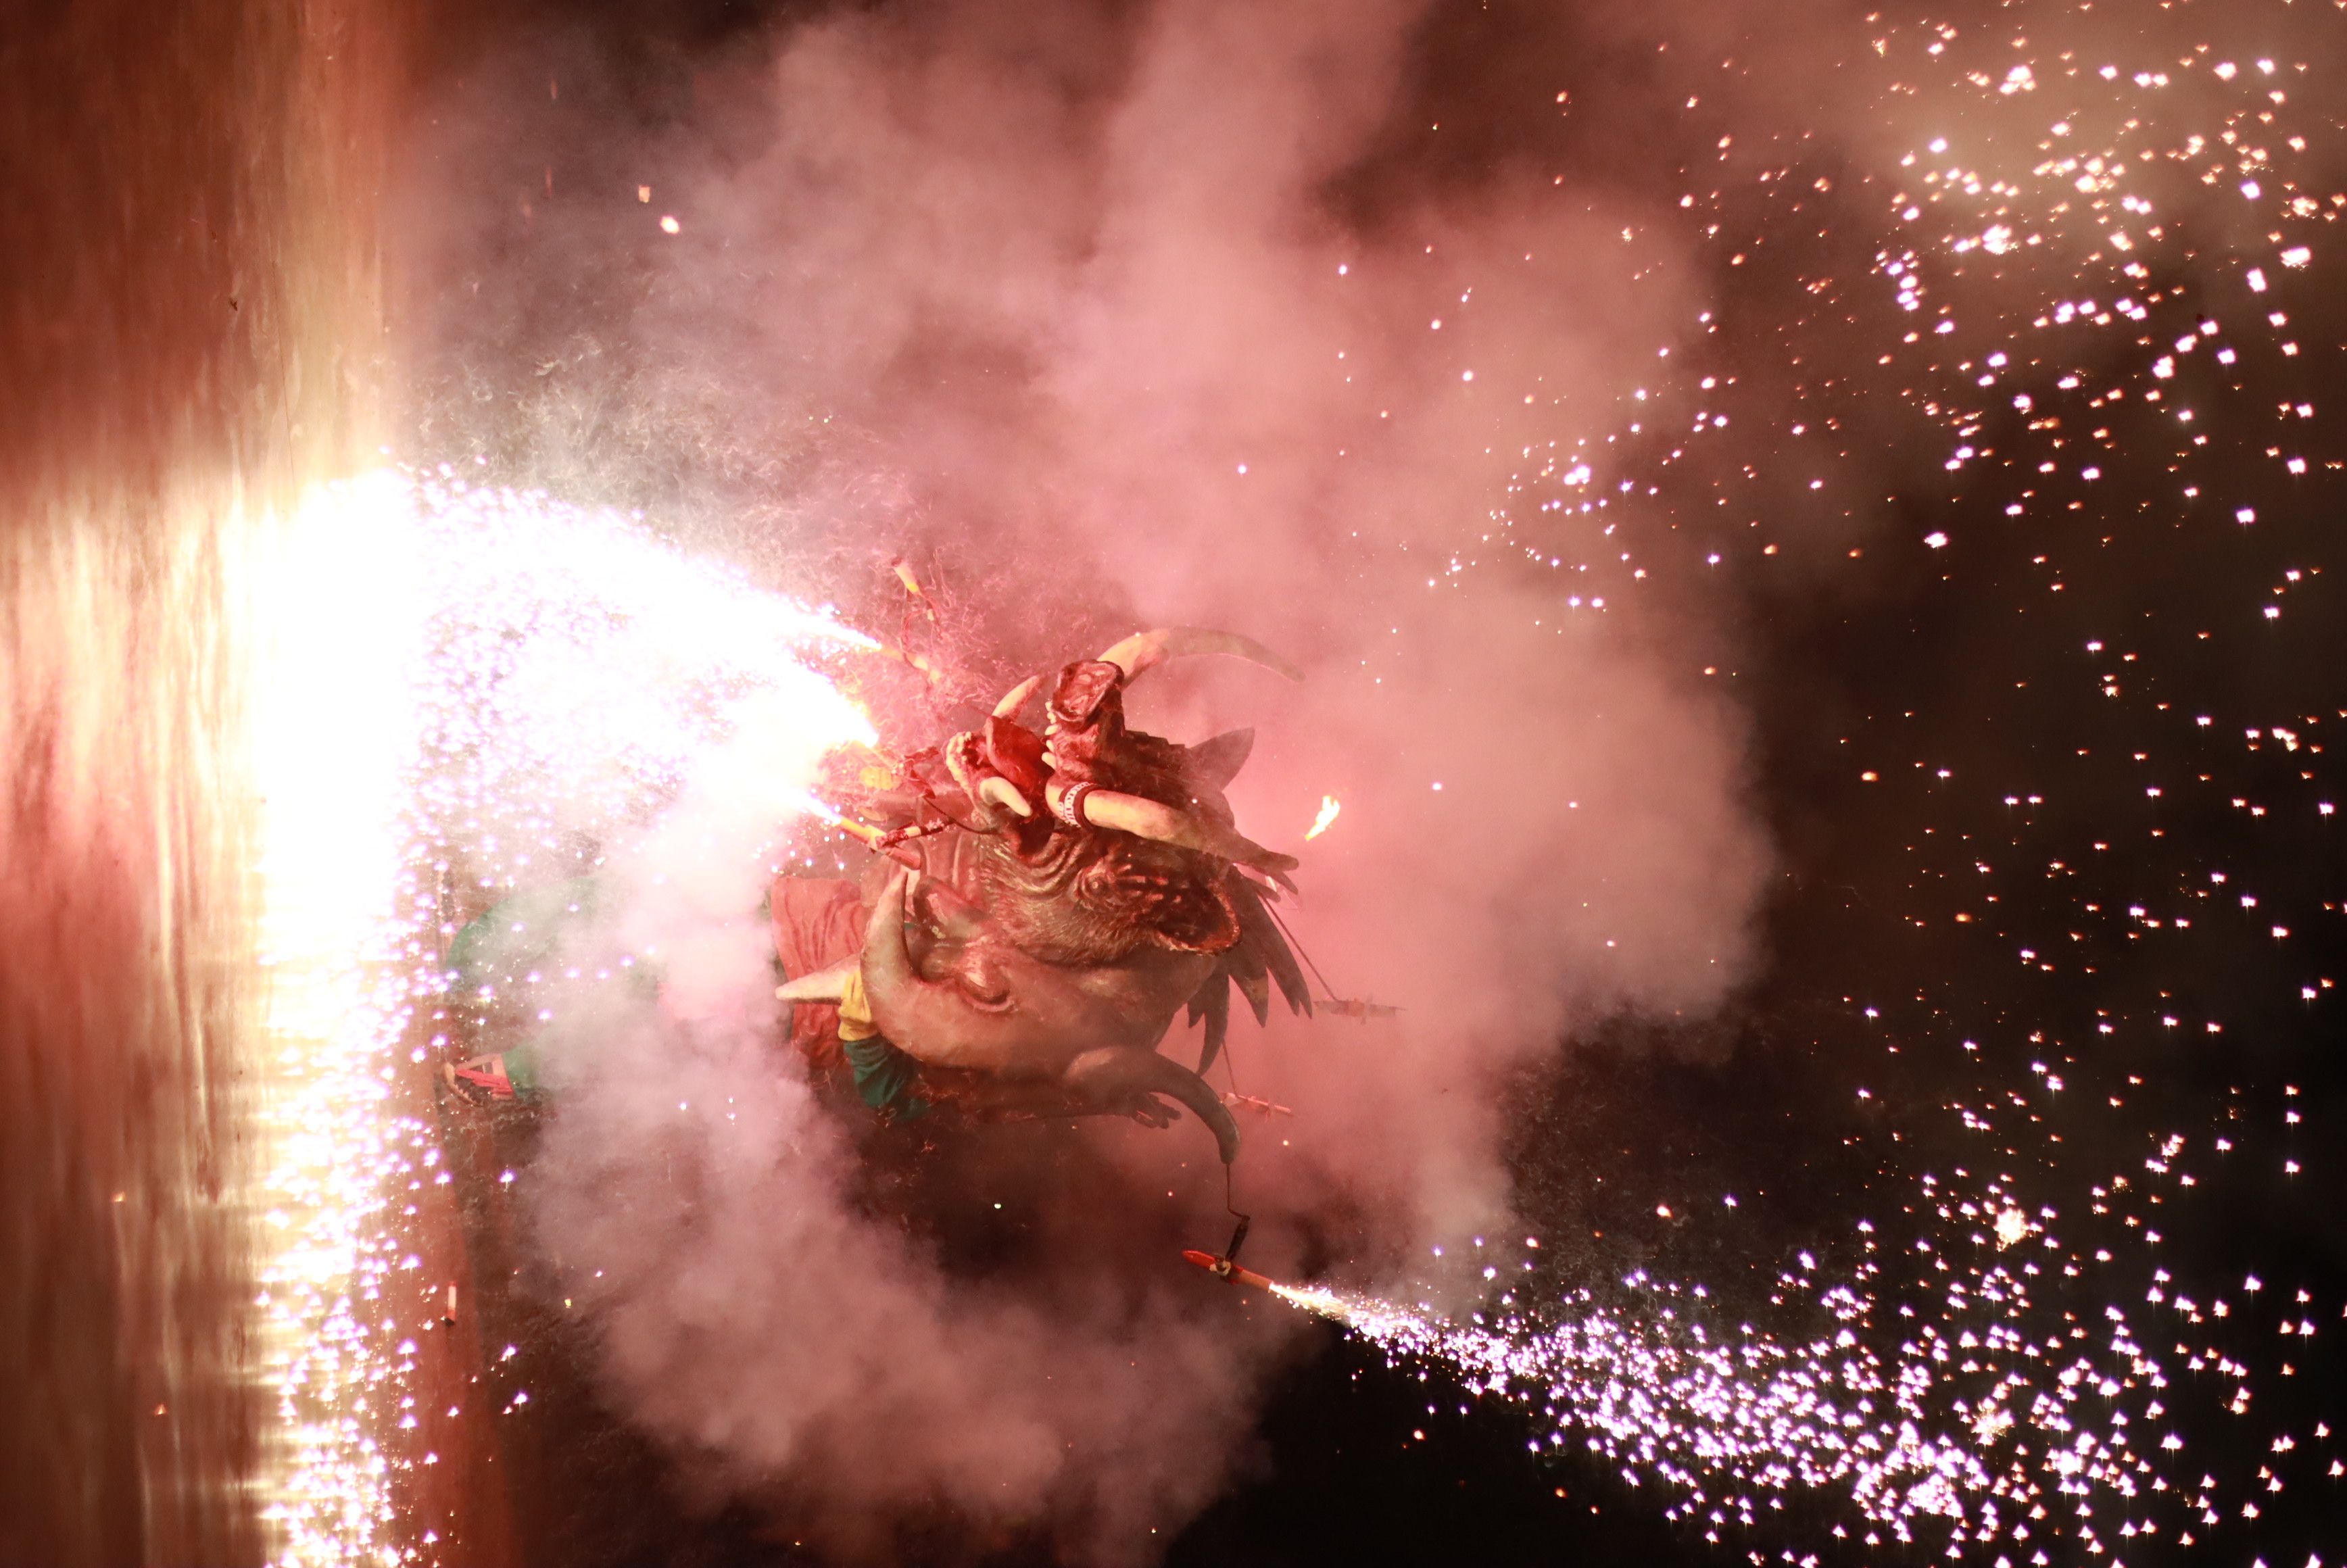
(985, 993)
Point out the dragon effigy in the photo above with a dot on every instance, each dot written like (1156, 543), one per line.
(1049, 900)
(1044, 900)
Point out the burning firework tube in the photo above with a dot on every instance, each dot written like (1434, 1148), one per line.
(1224, 1269)
(878, 839)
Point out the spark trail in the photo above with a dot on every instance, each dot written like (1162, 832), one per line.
(2004, 1425)
(455, 678)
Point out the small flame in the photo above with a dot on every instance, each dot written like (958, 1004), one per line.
(1329, 810)
(830, 816)
(1326, 1302)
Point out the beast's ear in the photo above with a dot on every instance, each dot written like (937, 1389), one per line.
(1167, 905)
(1216, 763)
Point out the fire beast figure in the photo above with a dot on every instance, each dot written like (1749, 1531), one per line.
(1046, 903)
(1054, 899)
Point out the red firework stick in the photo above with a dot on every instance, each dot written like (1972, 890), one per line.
(1224, 1269)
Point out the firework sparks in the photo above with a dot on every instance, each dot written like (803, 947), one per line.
(457, 677)
(342, 590)
(2093, 282)
(1994, 1425)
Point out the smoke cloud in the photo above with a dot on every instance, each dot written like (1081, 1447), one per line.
(1118, 316)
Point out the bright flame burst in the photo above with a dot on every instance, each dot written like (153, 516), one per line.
(1329, 810)
(450, 673)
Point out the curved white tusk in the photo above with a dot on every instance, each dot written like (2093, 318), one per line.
(822, 986)
(1017, 697)
(1146, 818)
(996, 790)
(1144, 651)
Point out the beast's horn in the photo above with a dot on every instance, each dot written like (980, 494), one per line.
(1017, 697)
(1146, 818)
(1144, 651)
(996, 790)
(1117, 1075)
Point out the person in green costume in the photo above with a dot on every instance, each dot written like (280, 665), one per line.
(497, 949)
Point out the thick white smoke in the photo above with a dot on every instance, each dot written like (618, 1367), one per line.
(1080, 302)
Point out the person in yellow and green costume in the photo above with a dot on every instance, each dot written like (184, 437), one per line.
(818, 930)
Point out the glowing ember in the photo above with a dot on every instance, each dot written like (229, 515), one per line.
(1329, 810)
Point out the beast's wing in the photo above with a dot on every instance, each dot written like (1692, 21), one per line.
(1213, 1003)
(1267, 945)
(1259, 960)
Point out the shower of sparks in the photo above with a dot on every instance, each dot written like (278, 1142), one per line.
(453, 677)
(1974, 1411)
(339, 591)
(2085, 265)
(1329, 810)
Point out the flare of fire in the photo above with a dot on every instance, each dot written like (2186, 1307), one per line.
(448, 677)
(1329, 810)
